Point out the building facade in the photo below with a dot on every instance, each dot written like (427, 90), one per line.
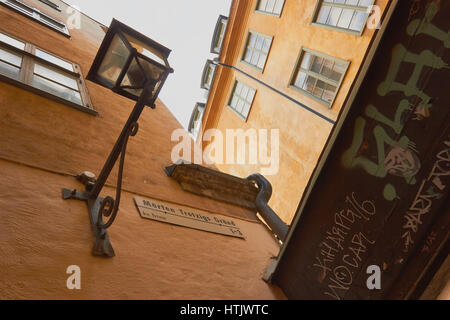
(54, 125)
(288, 66)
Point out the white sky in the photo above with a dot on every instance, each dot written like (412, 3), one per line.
(185, 26)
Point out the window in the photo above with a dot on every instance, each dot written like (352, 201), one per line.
(241, 99)
(34, 69)
(345, 15)
(256, 49)
(219, 34)
(196, 119)
(208, 75)
(273, 7)
(51, 4)
(319, 75)
(35, 14)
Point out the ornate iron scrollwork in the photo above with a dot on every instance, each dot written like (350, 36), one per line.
(109, 207)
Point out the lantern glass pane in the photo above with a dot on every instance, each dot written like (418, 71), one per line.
(146, 50)
(114, 61)
(136, 77)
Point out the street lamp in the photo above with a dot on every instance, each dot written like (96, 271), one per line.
(135, 67)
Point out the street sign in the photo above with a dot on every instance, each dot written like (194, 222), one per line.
(187, 217)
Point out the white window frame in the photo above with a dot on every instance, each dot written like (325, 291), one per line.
(318, 8)
(298, 68)
(244, 99)
(37, 15)
(27, 72)
(269, 12)
(246, 48)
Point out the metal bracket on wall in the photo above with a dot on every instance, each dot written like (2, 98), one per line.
(102, 245)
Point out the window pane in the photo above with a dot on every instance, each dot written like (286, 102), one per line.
(240, 106)
(300, 79)
(327, 68)
(323, 14)
(55, 76)
(56, 89)
(234, 101)
(245, 110)
(329, 92)
(244, 92)
(10, 57)
(255, 58)
(365, 3)
(352, 2)
(252, 40)
(358, 21)
(334, 16)
(238, 88)
(259, 42)
(338, 71)
(317, 64)
(9, 71)
(15, 43)
(345, 19)
(248, 55)
(209, 78)
(278, 7)
(270, 5)
(318, 90)
(51, 58)
(309, 83)
(306, 62)
(251, 95)
(261, 61)
(266, 45)
(262, 5)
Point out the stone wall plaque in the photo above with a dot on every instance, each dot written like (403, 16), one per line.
(187, 217)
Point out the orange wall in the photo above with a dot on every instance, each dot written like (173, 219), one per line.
(302, 133)
(44, 144)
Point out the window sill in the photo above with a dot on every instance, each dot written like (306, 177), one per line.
(276, 15)
(253, 66)
(348, 31)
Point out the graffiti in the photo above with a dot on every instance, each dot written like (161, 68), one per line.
(341, 251)
(429, 191)
(401, 158)
(402, 162)
(424, 26)
(429, 242)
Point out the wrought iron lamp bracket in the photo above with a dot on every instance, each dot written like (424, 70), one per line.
(103, 207)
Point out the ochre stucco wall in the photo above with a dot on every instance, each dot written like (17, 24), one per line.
(44, 144)
(302, 133)
(41, 235)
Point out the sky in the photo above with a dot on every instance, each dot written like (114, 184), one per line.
(185, 26)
